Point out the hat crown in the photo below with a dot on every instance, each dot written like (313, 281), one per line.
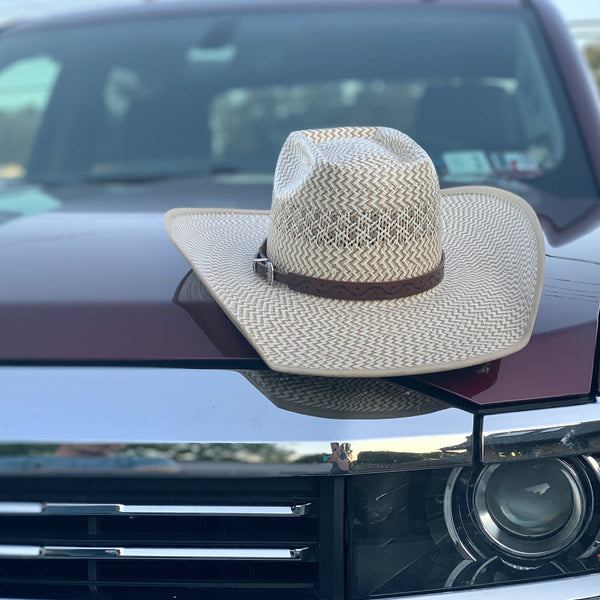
(355, 204)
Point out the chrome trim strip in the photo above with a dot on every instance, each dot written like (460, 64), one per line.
(80, 552)
(147, 510)
(218, 511)
(544, 433)
(583, 587)
(303, 510)
(21, 508)
(283, 424)
(19, 551)
(165, 553)
(238, 459)
(51, 508)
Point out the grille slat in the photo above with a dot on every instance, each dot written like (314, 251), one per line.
(139, 531)
(92, 545)
(166, 552)
(72, 509)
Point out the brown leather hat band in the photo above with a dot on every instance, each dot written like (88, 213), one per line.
(347, 290)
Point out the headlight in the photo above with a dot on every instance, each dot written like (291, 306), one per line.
(426, 531)
(522, 511)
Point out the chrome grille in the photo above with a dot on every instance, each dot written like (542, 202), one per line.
(259, 541)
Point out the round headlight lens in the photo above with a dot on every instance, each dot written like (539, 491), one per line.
(530, 509)
(530, 502)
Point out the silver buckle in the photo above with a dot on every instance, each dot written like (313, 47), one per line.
(269, 274)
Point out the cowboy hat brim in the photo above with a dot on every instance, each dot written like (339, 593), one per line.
(483, 309)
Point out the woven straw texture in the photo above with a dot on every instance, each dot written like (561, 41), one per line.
(342, 398)
(384, 224)
(482, 310)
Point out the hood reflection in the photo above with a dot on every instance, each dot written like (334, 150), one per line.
(342, 398)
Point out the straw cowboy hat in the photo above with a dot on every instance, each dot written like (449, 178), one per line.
(363, 267)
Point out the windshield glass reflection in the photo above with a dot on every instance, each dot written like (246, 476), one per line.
(218, 95)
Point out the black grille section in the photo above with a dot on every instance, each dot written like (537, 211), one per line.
(167, 538)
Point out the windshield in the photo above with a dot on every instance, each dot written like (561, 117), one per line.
(218, 95)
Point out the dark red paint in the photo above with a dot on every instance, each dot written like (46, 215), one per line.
(84, 284)
(88, 287)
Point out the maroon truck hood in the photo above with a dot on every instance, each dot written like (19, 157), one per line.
(80, 283)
